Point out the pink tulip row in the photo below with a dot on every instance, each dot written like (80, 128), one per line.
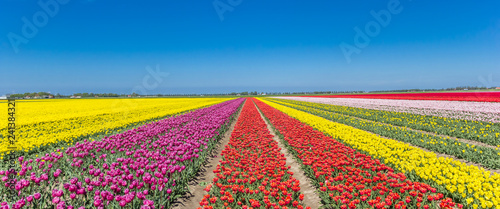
(477, 111)
(146, 167)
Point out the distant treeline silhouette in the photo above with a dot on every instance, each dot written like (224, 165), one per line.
(245, 93)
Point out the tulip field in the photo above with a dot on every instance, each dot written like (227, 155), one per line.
(453, 96)
(145, 166)
(53, 124)
(378, 151)
(253, 173)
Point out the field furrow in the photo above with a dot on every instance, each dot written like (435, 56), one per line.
(253, 172)
(469, 185)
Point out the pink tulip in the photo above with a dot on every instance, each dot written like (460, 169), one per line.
(55, 200)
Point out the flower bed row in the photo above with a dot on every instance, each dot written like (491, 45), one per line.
(453, 96)
(467, 184)
(147, 167)
(253, 172)
(348, 178)
(47, 125)
(485, 132)
(486, 156)
(476, 111)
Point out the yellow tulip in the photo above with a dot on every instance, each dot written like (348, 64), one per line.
(45, 122)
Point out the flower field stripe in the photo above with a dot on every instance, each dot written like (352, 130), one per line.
(47, 125)
(147, 167)
(466, 184)
(311, 197)
(488, 157)
(474, 111)
(206, 174)
(347, 178)
(253, 172)
(484, 132)
(455, 96)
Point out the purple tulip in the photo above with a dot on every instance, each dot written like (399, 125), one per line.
(150, 155)
(123, 203)
(97, 203)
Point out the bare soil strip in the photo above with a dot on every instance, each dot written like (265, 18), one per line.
(311, 198)
(204, 177)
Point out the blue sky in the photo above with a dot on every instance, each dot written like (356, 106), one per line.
(106, 46)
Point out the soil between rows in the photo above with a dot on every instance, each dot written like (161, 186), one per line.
(311, 198)
(197, 185)
(192, 199)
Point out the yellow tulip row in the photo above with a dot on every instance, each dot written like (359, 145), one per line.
(475, 186)
(486, 156)
(47, 122)
(486, 132)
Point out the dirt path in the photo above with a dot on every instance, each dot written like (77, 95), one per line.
(311, 198)
(192, 199)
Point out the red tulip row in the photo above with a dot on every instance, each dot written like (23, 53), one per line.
(253, 172)
(345, 177)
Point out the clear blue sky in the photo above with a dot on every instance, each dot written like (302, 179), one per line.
(105, 46)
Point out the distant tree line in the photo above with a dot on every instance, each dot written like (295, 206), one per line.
(49, 95)
(245, 93)
(32, 95)
(97, 95)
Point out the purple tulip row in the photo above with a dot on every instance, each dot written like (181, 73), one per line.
(146, 167)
